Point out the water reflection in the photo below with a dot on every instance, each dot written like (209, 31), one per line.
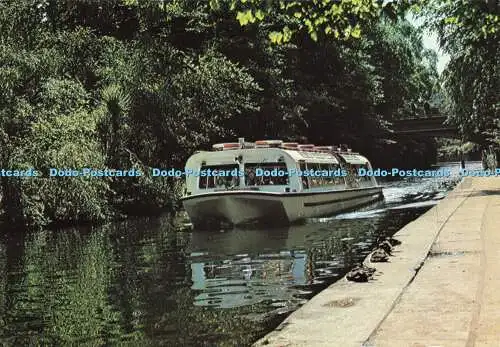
(144, 282)
(55, 288)
(120, 284)
(243, 267)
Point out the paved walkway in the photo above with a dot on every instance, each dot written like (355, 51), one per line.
(441, 287)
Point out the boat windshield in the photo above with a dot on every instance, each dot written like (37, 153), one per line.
(262, 174)
(219, 176)
(365, 167)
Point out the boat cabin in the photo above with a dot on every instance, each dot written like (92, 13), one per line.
(275, 166)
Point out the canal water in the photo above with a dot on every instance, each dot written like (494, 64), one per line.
(145, 282)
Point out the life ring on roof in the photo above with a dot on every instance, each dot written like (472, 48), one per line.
(226, 146)
(268, 143)
(289, 145)
(306, 147)
(323, 148)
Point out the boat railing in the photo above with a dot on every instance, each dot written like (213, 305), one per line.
(293, 146)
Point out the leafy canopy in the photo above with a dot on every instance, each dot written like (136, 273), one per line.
(336, 19)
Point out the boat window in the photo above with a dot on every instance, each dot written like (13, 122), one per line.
(219, 176)
(305, 179)
(352, 178)
(337, 179)
(324, 174)
(365, 177)
(255, 174)
(325, 179)
(315, 180)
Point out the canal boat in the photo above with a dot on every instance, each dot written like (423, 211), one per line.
(274, 182)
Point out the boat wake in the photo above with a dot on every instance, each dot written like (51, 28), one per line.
(377, 212)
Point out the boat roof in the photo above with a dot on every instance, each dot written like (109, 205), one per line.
(351, 158)
(309, 156)
(267, 148)
(355, 158)
(296, 155)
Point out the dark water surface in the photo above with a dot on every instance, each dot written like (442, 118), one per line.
(144, 282)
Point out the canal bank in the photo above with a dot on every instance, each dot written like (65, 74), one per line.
(440, 287)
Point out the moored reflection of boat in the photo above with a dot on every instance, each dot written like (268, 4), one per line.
(245, 266)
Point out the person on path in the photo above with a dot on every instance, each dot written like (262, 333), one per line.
(484, 159)
(490, 160)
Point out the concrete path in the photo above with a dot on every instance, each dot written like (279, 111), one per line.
(441, 287)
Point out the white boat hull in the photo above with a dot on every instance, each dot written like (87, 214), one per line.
(246, 207)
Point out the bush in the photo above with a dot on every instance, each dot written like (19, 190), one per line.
(63, 135)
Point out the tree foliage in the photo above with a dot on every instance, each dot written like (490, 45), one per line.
(469, 32)
(141, 84)
(341, 20)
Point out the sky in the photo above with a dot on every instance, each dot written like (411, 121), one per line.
(430, 41)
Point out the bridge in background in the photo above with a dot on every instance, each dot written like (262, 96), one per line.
(430, 127)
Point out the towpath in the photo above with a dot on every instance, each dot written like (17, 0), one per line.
(440, 288)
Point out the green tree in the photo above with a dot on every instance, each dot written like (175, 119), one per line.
(407, 71)
(340, 20)
(469, 33)
(63, 136)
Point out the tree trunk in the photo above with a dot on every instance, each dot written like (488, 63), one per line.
(11, 200)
